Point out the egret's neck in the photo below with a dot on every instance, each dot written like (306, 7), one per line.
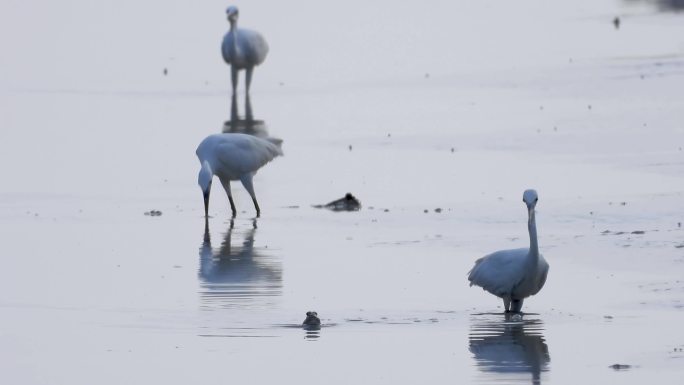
(532, 227)
(233, 34)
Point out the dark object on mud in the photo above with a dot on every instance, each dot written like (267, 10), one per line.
(620, 366)
(311, 319)
(438, 210)
(638, 232)
(348, 203)
(166, 72)
(153, 213)
(616, 22)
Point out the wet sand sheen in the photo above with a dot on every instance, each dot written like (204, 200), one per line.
(587, 113)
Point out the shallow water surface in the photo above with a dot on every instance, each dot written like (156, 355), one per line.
(436, 118)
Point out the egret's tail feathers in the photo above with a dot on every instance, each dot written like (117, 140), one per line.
(278, 142)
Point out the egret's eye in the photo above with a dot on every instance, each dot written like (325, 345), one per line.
(536, 199)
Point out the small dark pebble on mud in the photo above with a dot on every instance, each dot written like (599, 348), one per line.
(638, 232)
(153, 213)
(438, 210)
(350, 147)
(425, 211)
(620, 366)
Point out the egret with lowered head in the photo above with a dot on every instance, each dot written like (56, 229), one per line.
(515, 274)
(234, 157)
(242, 49)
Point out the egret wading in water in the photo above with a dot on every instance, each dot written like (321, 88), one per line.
(234, 157)
(515, 274)
(242, 49)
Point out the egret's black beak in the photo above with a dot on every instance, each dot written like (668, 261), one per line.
(206, 203)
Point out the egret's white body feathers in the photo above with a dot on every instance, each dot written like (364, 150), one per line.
(234, 157)
(506, 273)
(244, 48)
(514, 274)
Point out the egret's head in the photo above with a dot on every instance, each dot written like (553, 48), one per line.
(530, 198)
(232, 13)
(204, 181)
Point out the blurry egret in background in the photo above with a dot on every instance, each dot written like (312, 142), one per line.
(234, 157)
(242, 49)
(515, 274)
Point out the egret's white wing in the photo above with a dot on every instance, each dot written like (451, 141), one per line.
(245, 153)
(254, 46)
(543, 272)
(499, 272)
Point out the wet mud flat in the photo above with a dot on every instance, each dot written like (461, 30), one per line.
(437, 147)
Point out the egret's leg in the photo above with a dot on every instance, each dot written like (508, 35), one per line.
(247, 182)
(248, 83)
(249, 116)
(226, 186)
(207, 237)
(234, 83)
(517, 305)
(507, 304)
(248, 78)
(233, 112)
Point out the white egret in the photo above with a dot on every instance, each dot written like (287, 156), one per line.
(515, 274)
(242, 49)
(234, 157)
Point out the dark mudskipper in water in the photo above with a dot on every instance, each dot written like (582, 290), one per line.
(347, 203)
(312, 319)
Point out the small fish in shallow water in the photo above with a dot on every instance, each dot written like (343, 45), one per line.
(312, 319)
(620, 366)
(153, 213)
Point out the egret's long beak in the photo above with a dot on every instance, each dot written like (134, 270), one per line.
(206, 203)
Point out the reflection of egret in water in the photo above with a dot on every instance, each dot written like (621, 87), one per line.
(237, 275)
(256, 128)
(510, 347)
